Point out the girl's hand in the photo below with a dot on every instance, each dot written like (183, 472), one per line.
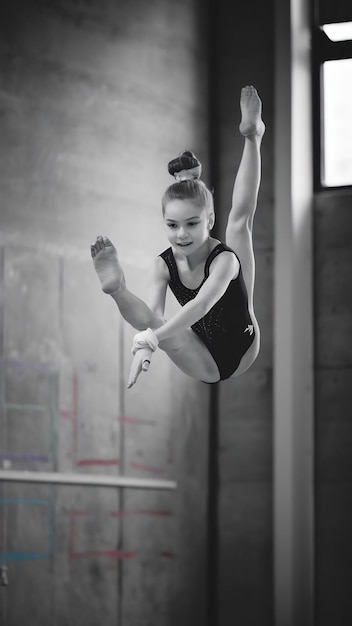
(140, 363)
(145, 339)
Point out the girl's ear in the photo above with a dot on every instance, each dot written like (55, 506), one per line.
(211, 221)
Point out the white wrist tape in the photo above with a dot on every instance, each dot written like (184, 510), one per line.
(145, 339)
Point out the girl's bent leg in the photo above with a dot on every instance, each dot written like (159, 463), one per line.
(191, 356)
(112, 280)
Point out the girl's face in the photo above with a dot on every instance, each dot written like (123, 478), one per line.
(187, 225)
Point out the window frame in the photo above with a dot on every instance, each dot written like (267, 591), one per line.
(323, 49)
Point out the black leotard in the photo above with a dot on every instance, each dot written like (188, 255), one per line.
(227, 329)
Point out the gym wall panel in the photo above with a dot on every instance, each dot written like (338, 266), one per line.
(96, 97)
(333, 395)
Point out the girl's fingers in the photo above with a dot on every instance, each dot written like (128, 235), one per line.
(145, 365)
(141, 362)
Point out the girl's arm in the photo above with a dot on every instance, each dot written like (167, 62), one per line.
(159, 280)
(223, 269)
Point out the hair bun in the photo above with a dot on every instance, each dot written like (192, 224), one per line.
(186, 161)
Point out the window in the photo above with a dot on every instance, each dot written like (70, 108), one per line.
(332, 93)
(337, 123)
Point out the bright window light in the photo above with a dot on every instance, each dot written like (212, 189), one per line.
(338, 32)
(337, 123)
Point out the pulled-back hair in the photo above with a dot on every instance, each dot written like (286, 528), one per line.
(190, 188)
(194, 190)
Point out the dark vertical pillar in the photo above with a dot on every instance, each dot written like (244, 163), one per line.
(213, 458)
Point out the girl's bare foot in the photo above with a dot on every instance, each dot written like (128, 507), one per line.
(251, 109)
(107, 265)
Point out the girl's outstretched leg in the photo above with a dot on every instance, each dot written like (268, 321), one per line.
(244, 202)
(132, 309)
(112, 280)
(246, 187)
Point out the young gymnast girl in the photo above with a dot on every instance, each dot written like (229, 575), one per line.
(215, 334)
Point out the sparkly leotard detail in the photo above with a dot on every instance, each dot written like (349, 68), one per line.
(227, 329)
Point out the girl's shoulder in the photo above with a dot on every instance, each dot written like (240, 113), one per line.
(159, 267)
(223, 256)
(218, 248)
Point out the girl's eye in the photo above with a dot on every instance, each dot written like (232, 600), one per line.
(192, 223)
(172, 225)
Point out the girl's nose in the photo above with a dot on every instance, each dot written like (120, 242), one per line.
(182, 232)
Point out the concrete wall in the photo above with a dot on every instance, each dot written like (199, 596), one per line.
(96, 97)
(244, 55)
(333, 398)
